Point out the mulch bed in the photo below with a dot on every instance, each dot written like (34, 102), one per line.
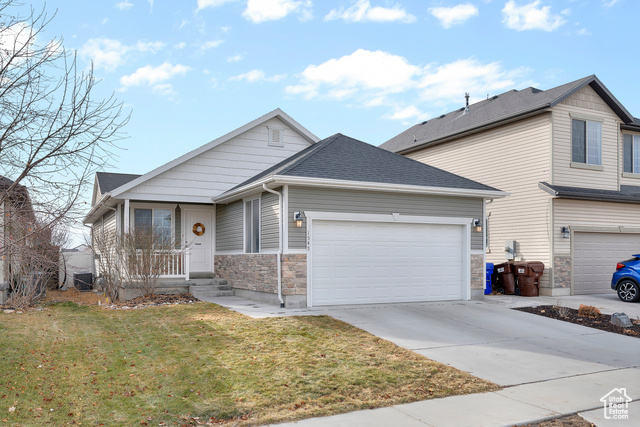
(154, 300)
(601, 321)
(569, 421)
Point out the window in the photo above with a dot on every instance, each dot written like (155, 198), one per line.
(631, 147)
(159, 220)
(586, 142)
(252, 226)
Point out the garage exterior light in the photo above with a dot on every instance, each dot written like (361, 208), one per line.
(478, 225)
(297, 217)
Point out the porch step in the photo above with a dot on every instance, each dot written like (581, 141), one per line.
(209, 288)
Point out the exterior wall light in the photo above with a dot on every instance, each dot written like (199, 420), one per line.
(297, 217)
(478, 225)
(566, 232)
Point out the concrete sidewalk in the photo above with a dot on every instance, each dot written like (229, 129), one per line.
(548, 368)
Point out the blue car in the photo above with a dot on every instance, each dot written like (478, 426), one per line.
(626, 279)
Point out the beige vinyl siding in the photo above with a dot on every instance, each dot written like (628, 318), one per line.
(605, 216)
(224, 166)
(229, 232)
(369, 202)
(627, 178)
(512, 158)
(586, 104)
(269, 221)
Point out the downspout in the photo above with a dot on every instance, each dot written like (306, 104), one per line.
(264, 186)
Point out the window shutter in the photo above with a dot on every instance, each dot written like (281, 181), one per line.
(627, 147)
(578, 141)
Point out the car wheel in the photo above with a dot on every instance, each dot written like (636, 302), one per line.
(628, 291)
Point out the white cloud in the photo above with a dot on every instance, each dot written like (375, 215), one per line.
(456, 15)
(406, 114)
(257, 76)
(362, 11)
(235, 58)
(155, 77)
(609, 3)
(180, 45)
(583, 32)
(530, 16)
(271, 10)
(374, 79)
(150, 5)
(109, 54)
(124, 5)
(211, 44)
(203, 4)
(152, 47)
(14, 38)
(362, 70)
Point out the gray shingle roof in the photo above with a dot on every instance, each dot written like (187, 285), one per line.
(110, 181)
(627, 193)
(340, 157)
(501, 107)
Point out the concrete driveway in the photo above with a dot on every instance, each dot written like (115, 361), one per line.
(548, 367)
(505, 346)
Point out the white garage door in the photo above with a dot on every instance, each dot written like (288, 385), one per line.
(595, 257)
(372, 262)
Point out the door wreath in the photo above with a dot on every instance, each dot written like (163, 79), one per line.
(198, 229)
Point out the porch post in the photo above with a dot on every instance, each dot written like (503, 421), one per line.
(127, 215)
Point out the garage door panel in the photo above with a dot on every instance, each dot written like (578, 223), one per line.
(595, 257)
(363, 262)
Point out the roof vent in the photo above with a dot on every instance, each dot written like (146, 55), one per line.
(423, 123)
(495, 97)
(442, 115)
(466, 108)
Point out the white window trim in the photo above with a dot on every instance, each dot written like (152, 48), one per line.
(244, 223)
(633, 140)
(586, 119)
(411, 219)
(134, 206)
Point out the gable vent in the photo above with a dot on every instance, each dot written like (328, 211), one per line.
(276, 137)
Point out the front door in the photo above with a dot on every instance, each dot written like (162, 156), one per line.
(198, 236)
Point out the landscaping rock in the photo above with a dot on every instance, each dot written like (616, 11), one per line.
(621, 319)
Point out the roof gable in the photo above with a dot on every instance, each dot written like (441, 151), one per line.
(500, 108)
(216, 142)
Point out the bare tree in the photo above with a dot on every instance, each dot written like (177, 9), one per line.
(53, 134)
(106, 247)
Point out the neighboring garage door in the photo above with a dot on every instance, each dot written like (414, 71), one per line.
(595, 257)
(374, 262)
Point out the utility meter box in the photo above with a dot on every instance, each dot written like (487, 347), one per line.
(510, 249)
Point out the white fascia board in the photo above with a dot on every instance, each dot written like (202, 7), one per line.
(278, 180)
(157, 171)
(377, 186)
(95, 209)
(167, 198)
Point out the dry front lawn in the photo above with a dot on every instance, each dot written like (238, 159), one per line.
(201, 363)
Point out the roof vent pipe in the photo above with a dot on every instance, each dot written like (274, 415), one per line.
(466, 108)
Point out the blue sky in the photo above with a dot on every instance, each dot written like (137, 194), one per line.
(190, 71)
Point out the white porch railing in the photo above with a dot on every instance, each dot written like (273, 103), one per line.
(172, 263)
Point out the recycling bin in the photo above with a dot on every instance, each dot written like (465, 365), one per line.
(489, 272)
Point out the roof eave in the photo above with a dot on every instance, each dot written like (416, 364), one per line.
(92, 215)
(468, 131)
(279, 180)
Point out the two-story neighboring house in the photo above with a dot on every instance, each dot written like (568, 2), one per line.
(569, 156)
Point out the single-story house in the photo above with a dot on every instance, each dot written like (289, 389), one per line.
(335, 222)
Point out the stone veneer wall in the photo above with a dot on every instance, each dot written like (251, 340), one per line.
(294, 274)
(252, 272)
(478, 272)
(562, 271)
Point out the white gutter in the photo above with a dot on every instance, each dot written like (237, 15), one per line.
(97, 206)
(264, 186)
(362, 185)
